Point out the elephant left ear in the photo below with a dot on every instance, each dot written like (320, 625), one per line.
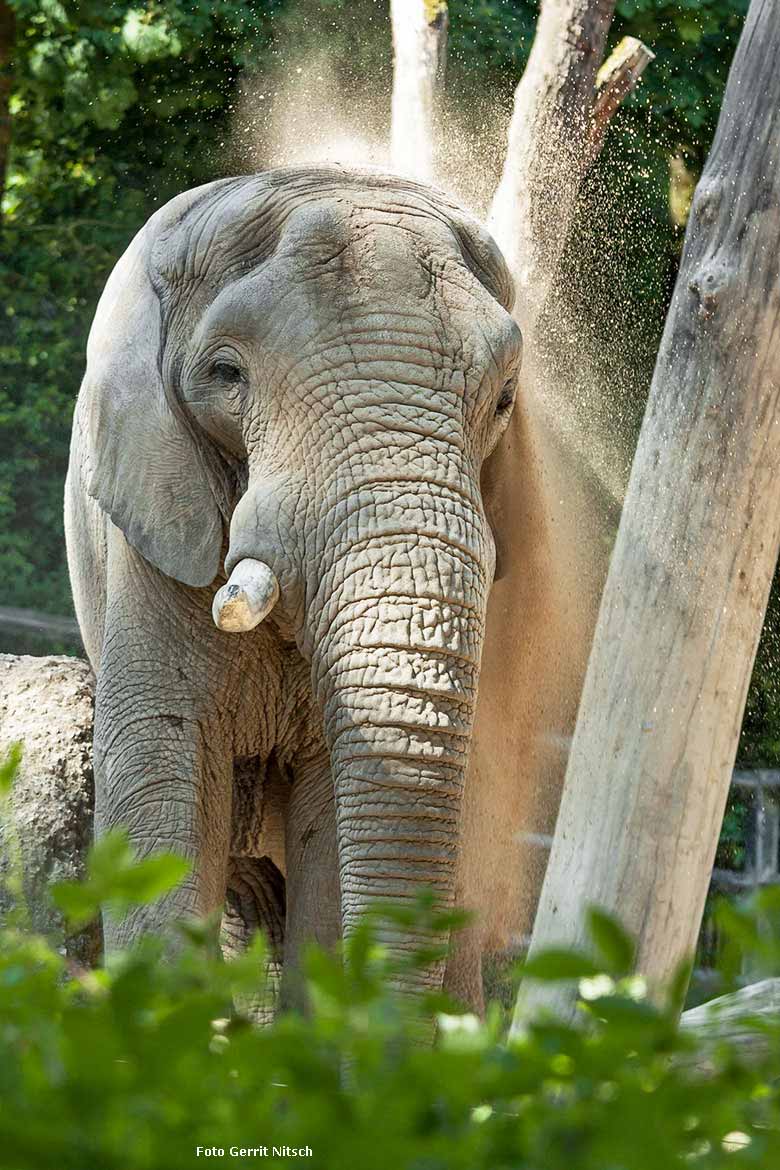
(158, 480)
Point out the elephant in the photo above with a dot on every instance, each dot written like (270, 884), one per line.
(293, 484)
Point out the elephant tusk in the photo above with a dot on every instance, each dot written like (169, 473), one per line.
(249, 596)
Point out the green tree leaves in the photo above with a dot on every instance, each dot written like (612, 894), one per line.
(135, 1066)
(116, 108)
(117, 879)
(614, 947)
(8, 768)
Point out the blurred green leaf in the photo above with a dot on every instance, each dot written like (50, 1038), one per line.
(557, 964)
(9, 766)
(614, 946)
(115, 877)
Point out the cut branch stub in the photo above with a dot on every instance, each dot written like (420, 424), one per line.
(561, 111)
(616, 78)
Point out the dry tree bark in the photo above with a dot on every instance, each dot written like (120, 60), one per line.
(688, 584)
(419, 59)
(562, 106)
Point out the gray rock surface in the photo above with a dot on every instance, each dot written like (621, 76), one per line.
(47, 704)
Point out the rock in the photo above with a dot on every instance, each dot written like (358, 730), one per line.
(47, 704)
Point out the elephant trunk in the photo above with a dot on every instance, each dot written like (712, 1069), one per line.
(395, 665)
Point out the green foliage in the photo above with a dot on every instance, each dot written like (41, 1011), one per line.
(9, 767)
(115, 878)
(136, 1066)
(615, 949)
(114, 110)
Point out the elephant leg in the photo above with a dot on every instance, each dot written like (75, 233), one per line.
(255, 900)
(463, 973)
(313, 898)
(163, 759)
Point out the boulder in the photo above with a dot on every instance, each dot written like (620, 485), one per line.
(47, 704)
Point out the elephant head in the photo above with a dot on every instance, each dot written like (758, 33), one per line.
(316, 364)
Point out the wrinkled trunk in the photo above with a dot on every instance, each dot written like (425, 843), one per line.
(397, 629)
(384, 559)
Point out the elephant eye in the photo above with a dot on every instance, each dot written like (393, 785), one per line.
(505, 398)
(226, 372)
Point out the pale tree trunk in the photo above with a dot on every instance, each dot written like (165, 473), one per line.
(419, 58)
(562, 106)
(735, 1020)
(7, 37)
(682, 611)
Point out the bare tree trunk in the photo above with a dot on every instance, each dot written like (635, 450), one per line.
(561, 109)
(7, 38)
(419, 58)
(682, 611)
(732, 1019)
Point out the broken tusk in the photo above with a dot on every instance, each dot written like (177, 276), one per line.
(249, 596)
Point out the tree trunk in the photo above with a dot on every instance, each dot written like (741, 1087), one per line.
(689, 579)
(419, 56)
(7, 38)
(561, 109)
(732, 1019)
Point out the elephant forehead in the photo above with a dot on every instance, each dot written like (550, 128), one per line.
(379, 247)
(387, 233)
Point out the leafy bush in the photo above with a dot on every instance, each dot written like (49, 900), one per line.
(137, 1066)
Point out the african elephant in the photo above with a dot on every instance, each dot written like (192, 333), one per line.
(281, 526)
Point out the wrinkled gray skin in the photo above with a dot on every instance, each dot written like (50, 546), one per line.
(306, 367)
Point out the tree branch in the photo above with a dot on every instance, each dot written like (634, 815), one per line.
(557, 128)
(419, 60)
(732, 1019)
(616, 78)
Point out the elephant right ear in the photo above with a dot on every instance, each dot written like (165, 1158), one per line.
(156, 479)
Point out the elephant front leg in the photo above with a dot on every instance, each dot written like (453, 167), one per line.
(313, 897)
(163, 763)
(158, 776)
